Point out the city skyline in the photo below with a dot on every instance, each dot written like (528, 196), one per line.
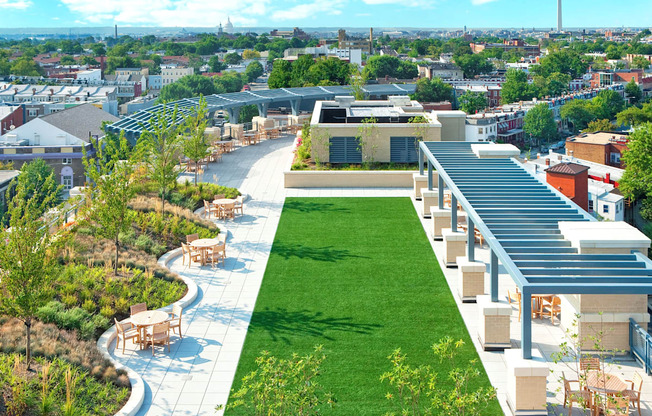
(311, 13)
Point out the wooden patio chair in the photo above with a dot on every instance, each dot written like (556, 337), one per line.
(175, 318)
(219, 196)
(239, 205)
(589, 363)
(634, 393)
(217, 253)
(137, 308)
(210, 208)
(160, 334)
(581, 396)
(616, 406)
(191, 253)
(125, 331)
(192, 237)
(552, 309)
(227, 210)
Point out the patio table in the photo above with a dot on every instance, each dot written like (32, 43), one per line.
(225, 145)
(147, 318)
(607, 384)
(204, 244)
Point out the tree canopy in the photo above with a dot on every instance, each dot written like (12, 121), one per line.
(636, 182)
(432, 91)
(516, 88)
(380, 66)
(471, 102)
(539, 122)
(474, 64)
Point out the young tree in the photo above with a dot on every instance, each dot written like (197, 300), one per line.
(195, 147)
(368, 139)
(471, 102)
(633, 92)
(38, 179)
(28, 257)
(160, 144)
(357, 82)
(636, 182)
(110, 189)
(540, 123)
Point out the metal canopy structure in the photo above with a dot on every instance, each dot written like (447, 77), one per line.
(518, 216)
(133, 124)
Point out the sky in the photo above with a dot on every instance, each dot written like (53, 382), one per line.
(324, 13)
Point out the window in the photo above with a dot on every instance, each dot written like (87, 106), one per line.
(66, 181)
(590, 205)
(605, 209)
(66, 161)
(32, 112)
(615, 158)
(617, 208)
(344, 150)
(403, 150)
(479, 130)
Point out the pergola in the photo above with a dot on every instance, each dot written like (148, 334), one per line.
(519, 216)
(133, 124)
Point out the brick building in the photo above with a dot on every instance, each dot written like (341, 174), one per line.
(572, 180)
(601, 147)
(11, 116)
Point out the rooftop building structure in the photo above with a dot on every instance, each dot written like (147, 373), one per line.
(602, 147)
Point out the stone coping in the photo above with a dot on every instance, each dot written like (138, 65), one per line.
(465, 265)
(613, 317)
(430, 194)
(137, 396)
(487, 307)
(603, 234)
(438, 212)
(419, 177)
(450, 235)
(520, 367)
(495, 150)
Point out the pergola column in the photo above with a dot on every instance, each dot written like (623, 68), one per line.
(526, 323)
(470, 239)
(493, 271)
(441, 192)
(295, 104)
(234, 114)
(262, 109)
(421, 161)
(453, 213)
(429, 176)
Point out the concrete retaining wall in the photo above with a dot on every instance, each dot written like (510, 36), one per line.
(348, 179)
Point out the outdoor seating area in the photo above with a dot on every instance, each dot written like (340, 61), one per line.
(204, 250)
(147, 328)
(602, 392)
(223, 208)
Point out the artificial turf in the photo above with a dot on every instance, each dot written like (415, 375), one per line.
(358, 276)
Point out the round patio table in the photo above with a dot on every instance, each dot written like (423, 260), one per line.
(223, 201)
(605, 383)
(147, 318)
(224, 144)
(203, 244)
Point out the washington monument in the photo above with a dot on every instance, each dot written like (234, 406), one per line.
(559, 29)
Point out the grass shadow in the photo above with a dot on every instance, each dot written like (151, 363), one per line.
(311, 206)
(326, 254)
(283, 324)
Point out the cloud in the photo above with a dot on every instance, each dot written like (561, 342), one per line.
(55, 18)
(15, 4)
(314, 9)
(479, 2)
(207, 13)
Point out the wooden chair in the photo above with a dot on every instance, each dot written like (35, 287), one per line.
(589, 363)
(219, 196)
(210, 208)
(217, 253)
(616, 406)
(126, 331)
(175, 318)
(192, 237)
(139, 307)
(634, 393)
(581, 396)
(227, 210)
(515, 297)
(160, 334)
(239, 205)
(552, 309)
(189, 251)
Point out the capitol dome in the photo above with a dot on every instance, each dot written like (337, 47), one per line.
(228, 27)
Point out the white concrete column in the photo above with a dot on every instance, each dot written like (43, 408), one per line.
(420, 182)
(526, 383)
(441, 218)
(454, 246)
(470, 279)
(494, 320)
(429, 199)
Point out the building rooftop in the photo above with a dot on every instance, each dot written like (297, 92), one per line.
(7, 175)
(601, 138)
(568, 168)
(80, 121)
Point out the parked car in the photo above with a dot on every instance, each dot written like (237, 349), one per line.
(246, 88)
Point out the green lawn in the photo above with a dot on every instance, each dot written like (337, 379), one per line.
(358, 276)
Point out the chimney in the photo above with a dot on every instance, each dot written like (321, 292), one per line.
(607, 177)
(547, 161)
